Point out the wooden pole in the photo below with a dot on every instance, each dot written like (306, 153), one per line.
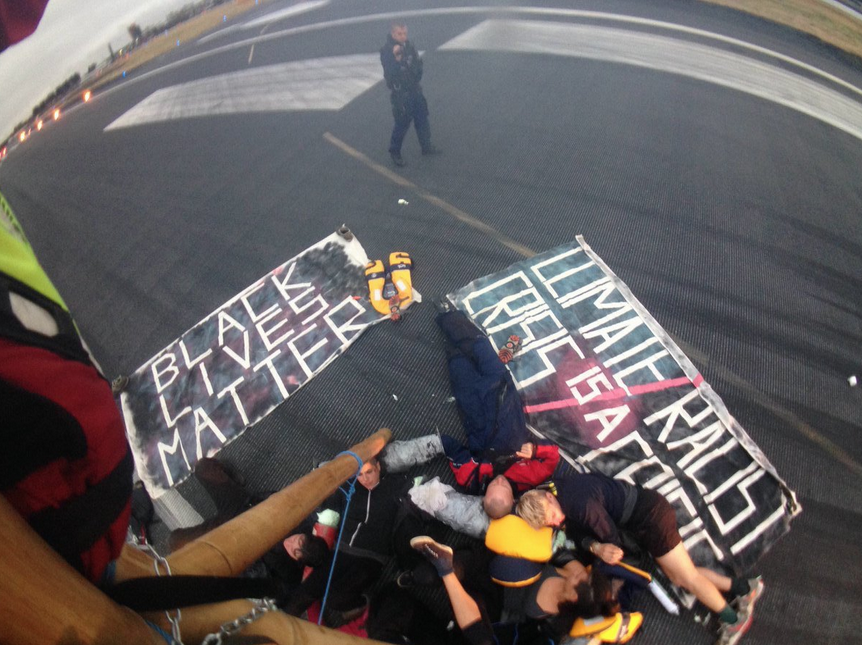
(44, 600)
(231, 548)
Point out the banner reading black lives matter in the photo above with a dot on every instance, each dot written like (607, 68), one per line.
(237, 364)
(600, 377)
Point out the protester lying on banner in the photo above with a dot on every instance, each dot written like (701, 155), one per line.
(595, 508)
(498, 442)
(460, 511)
(548, 604)
(286, 561)
(378, 524)
(526, 468)
(487, 399)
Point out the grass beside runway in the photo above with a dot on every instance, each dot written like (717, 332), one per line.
(184, 32)
(814, 17)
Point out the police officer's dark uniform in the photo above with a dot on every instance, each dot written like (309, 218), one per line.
(403, 74)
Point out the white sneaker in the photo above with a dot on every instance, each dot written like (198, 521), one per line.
(730, 633)
(746, 603)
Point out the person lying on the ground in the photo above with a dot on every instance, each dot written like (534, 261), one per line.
(498, 442)
(564, 593)
(395, 616)
(378, 525)
(468, 514)
(531, 465)
(460, 511)
(288, 560)
(499, 498)
(487, 399)
(285, 562)
(596, 507)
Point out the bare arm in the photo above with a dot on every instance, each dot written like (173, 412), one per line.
(464, 607)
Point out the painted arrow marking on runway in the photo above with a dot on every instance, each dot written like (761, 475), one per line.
(318, 84)
(665, 54)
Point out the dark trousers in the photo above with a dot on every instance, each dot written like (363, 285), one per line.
(415, 110)
(353, 576)
(487, 398)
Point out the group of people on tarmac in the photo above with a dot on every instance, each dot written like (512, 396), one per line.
(502, 585)
(54, 395)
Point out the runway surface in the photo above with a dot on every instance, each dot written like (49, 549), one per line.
(710, 158)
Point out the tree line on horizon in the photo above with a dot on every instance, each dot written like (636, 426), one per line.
(138, 36)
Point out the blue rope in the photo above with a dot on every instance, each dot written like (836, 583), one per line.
(348, 494)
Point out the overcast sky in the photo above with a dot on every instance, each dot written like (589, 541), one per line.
(72, 35)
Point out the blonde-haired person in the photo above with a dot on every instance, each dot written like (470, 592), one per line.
(598, 506)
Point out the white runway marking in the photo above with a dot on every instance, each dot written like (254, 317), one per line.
(318, 84)
(289, 12)
(665, 54)
(572, 14)
(268, 19)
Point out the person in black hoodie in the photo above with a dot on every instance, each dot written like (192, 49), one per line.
(402, 70)
(377, 524)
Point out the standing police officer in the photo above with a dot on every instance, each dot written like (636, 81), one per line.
(402, 70)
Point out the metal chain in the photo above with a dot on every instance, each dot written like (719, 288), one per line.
(177, 616)
(229, 629)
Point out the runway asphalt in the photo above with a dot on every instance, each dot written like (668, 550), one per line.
(733, 212)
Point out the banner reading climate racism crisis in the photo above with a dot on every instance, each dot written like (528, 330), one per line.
(244, 359)
(600, 377)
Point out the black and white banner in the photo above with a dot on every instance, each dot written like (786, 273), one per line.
(599, 376)
(232, 368)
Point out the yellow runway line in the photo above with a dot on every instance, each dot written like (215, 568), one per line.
(803, 428)
(443, 205)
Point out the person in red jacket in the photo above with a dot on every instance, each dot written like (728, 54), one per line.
(498, 441)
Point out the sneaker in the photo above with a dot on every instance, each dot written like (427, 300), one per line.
(430, 150)
(507, 352)
(443, 306)
(397, 159)
(440, 555)
(746, 603)
(730, 633)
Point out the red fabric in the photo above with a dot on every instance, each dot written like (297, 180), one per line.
(523, 475)
(86, 395)
(328, 533)
(529, 473)
(19, 19)
(355, 627)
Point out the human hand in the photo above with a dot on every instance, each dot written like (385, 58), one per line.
(607, 553)
(527, 451)
(396, 51)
